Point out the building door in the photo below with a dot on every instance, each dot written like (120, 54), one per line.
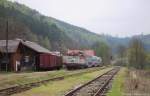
(27, 63)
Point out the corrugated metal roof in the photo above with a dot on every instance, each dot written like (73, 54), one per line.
(13, 45)
(35, 47)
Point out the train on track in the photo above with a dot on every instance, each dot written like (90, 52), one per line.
(73, 59)
(50, 61)
(76, 62)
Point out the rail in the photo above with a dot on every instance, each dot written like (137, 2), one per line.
(89, 88)
(28, 86)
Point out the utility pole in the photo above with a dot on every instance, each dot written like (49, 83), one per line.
(7, 58)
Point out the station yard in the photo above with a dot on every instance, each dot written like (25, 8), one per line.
(12, 79)
(59, 88)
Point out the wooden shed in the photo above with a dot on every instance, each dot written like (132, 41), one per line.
(23, 55)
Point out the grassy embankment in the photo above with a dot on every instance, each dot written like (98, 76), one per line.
(12, 79)
(59, 88)
(131, 82)
(118, 84)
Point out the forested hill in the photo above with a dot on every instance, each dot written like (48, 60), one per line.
(29, 24)
(114, 42)
(26, 23)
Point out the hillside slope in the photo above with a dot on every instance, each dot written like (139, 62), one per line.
(79, 34)
(49, 32)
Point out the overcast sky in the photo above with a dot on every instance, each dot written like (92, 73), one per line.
(114, 17)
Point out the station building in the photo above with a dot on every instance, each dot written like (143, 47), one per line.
(22, 55)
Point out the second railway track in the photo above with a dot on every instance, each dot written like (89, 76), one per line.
(95, 87)
(21, 88)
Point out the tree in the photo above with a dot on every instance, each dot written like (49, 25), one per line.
(32, 37)
(46, 43)
(103, 50)
(148, 60)
(121, 54)
(136, 54)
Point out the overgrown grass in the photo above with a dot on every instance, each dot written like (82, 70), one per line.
(11, 79)
(59, 88)
(118, 84)
(138, 82)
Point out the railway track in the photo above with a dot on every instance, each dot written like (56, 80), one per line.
(95, 87)
(24, 87)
